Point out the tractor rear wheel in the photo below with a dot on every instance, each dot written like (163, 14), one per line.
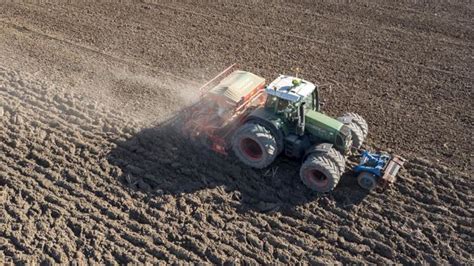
(254, 145)
(319, 173)
(359, 120)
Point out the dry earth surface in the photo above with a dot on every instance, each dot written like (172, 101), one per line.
(90, 173)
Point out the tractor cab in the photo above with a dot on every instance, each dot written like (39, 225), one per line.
(288, 91)
(296, 102)
(291, 98)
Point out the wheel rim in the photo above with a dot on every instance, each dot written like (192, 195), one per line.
(251, 148)
(367, 182)
(316, 178)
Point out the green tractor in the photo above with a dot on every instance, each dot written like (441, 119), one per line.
(291, 122)
(259, 122)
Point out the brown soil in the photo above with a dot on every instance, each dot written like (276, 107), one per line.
(89, 173)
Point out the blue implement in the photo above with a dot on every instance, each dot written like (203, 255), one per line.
(373, 163)
(377, 168)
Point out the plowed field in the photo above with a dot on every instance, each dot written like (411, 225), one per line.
(89, 171)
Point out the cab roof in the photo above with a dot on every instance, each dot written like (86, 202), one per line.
(283, 87)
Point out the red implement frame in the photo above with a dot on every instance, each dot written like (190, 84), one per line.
(203, 122)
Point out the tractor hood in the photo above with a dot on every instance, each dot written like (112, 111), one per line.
(322, 125)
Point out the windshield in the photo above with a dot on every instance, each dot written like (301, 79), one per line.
(279, 105)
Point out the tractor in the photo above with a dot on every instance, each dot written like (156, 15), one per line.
(257, 122)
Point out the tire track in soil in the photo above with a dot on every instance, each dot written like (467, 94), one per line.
(354, 37)
(126, 61)
(377, 56)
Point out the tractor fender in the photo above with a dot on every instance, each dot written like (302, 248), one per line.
(272, 125)
(321, 148)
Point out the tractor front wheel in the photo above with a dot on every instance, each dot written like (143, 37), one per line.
(358, 126)
(320, 173)
(254, 145)
(357, 135)
(360, 121)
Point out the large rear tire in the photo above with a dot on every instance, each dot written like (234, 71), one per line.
(254, 145)
(319, 173)
(359, 120)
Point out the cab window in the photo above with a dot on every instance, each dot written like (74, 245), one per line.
(308, 100)
(271, 101)
(282, 105)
